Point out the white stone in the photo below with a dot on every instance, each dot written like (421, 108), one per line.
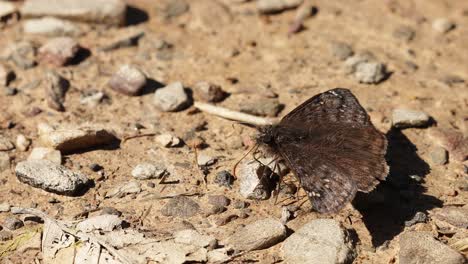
(50, 26)
(192, 237)
(46, 154)
(145, 171)
(168, 140)
(22, 142)
(409, 118)
(107, 222)
(171, 97)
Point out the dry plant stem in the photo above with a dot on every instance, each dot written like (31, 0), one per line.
(234, 115)
(81, 236)
(138, 135)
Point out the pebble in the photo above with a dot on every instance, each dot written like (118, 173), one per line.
(452, 140)
(132, 187)
(421, 247)
(208, 92)
(4, 207)
(215, 209)
(5, 144)
(260, 234)
(6, 9)
(110, 211)
(4, 161)
(262, 107)
(175, 8)
(239, 204)
(46, 154)
(92, 98)
(181, 207)
(13, 223)
(5, 235)
(171, 98)
(111, 12)
(205, 160)
(95, 167)
(50, 177)
(275, 6)
(126, 37)
(439, 156)
(405, 118)
(105, 222)
(50, 26)
(370, 72)
(168, 140)
(341, 50)
(351, 63)
(419, 217)
(317, 242)
(404, 33)
(451, 217)
(128, 80)
(218, 200)
(58, 51)
(192, 237)
(443, 25)
(22, 142)
(254, 180)
(68, 140)
(224, 178)
(6, 75)
(219, 255)
(55, 89)
(146, 171)
(22, 54)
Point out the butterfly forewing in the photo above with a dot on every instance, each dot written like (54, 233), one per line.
(333, 148)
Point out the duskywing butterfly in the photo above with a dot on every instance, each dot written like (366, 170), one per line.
(332, 147)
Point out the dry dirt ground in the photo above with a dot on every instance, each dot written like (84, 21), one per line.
(252, 57)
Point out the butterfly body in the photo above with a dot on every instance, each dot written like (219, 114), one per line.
(332, 147)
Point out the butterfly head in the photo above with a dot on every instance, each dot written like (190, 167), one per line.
(265, 135)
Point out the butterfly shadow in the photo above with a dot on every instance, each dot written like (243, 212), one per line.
(396, 200)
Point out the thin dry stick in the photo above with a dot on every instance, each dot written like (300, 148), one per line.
(234, 115)
(83, 237)
(137, 136)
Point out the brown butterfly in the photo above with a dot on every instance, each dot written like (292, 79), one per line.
(332, 147)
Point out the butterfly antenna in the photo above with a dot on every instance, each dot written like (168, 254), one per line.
(254, 147)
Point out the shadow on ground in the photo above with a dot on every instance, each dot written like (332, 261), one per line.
(396, 200)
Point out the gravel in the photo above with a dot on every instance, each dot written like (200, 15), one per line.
(50, 177)
(111, 12)
(146, 171)
(171, 98)
(260, 234)
(128, 80)
(58, 51)
(50, 26)
(421, 247)
(320, 241)
(405, 118)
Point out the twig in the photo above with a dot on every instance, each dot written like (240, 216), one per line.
(137, 136)
(81, 236)
(234, 115)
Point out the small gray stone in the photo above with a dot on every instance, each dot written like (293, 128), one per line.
(55, 89)
(4, 207)
(13, 223)
(439, 156)
(128, 80)
(404, 118)
(5, 144)
(46, 154)
(58, 51)
(171, 98)
(145, 171)
(341, 50)
(370, 72)
(111, 12)
(224, 178)
(219, 200)
(274, 6)
(5, 235)
(351, 63)
(451, 217)
(420, 247)
(50, 177)
(258, 235)
(192, 237)
(4, 161)
(254, 180)
(321, 241)
(205, 160)
(168, 140)
(262, 107)
(181, 207)
(404, 33)
(50, 26)
(419, 217)
(443, 25)
(208, 92)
